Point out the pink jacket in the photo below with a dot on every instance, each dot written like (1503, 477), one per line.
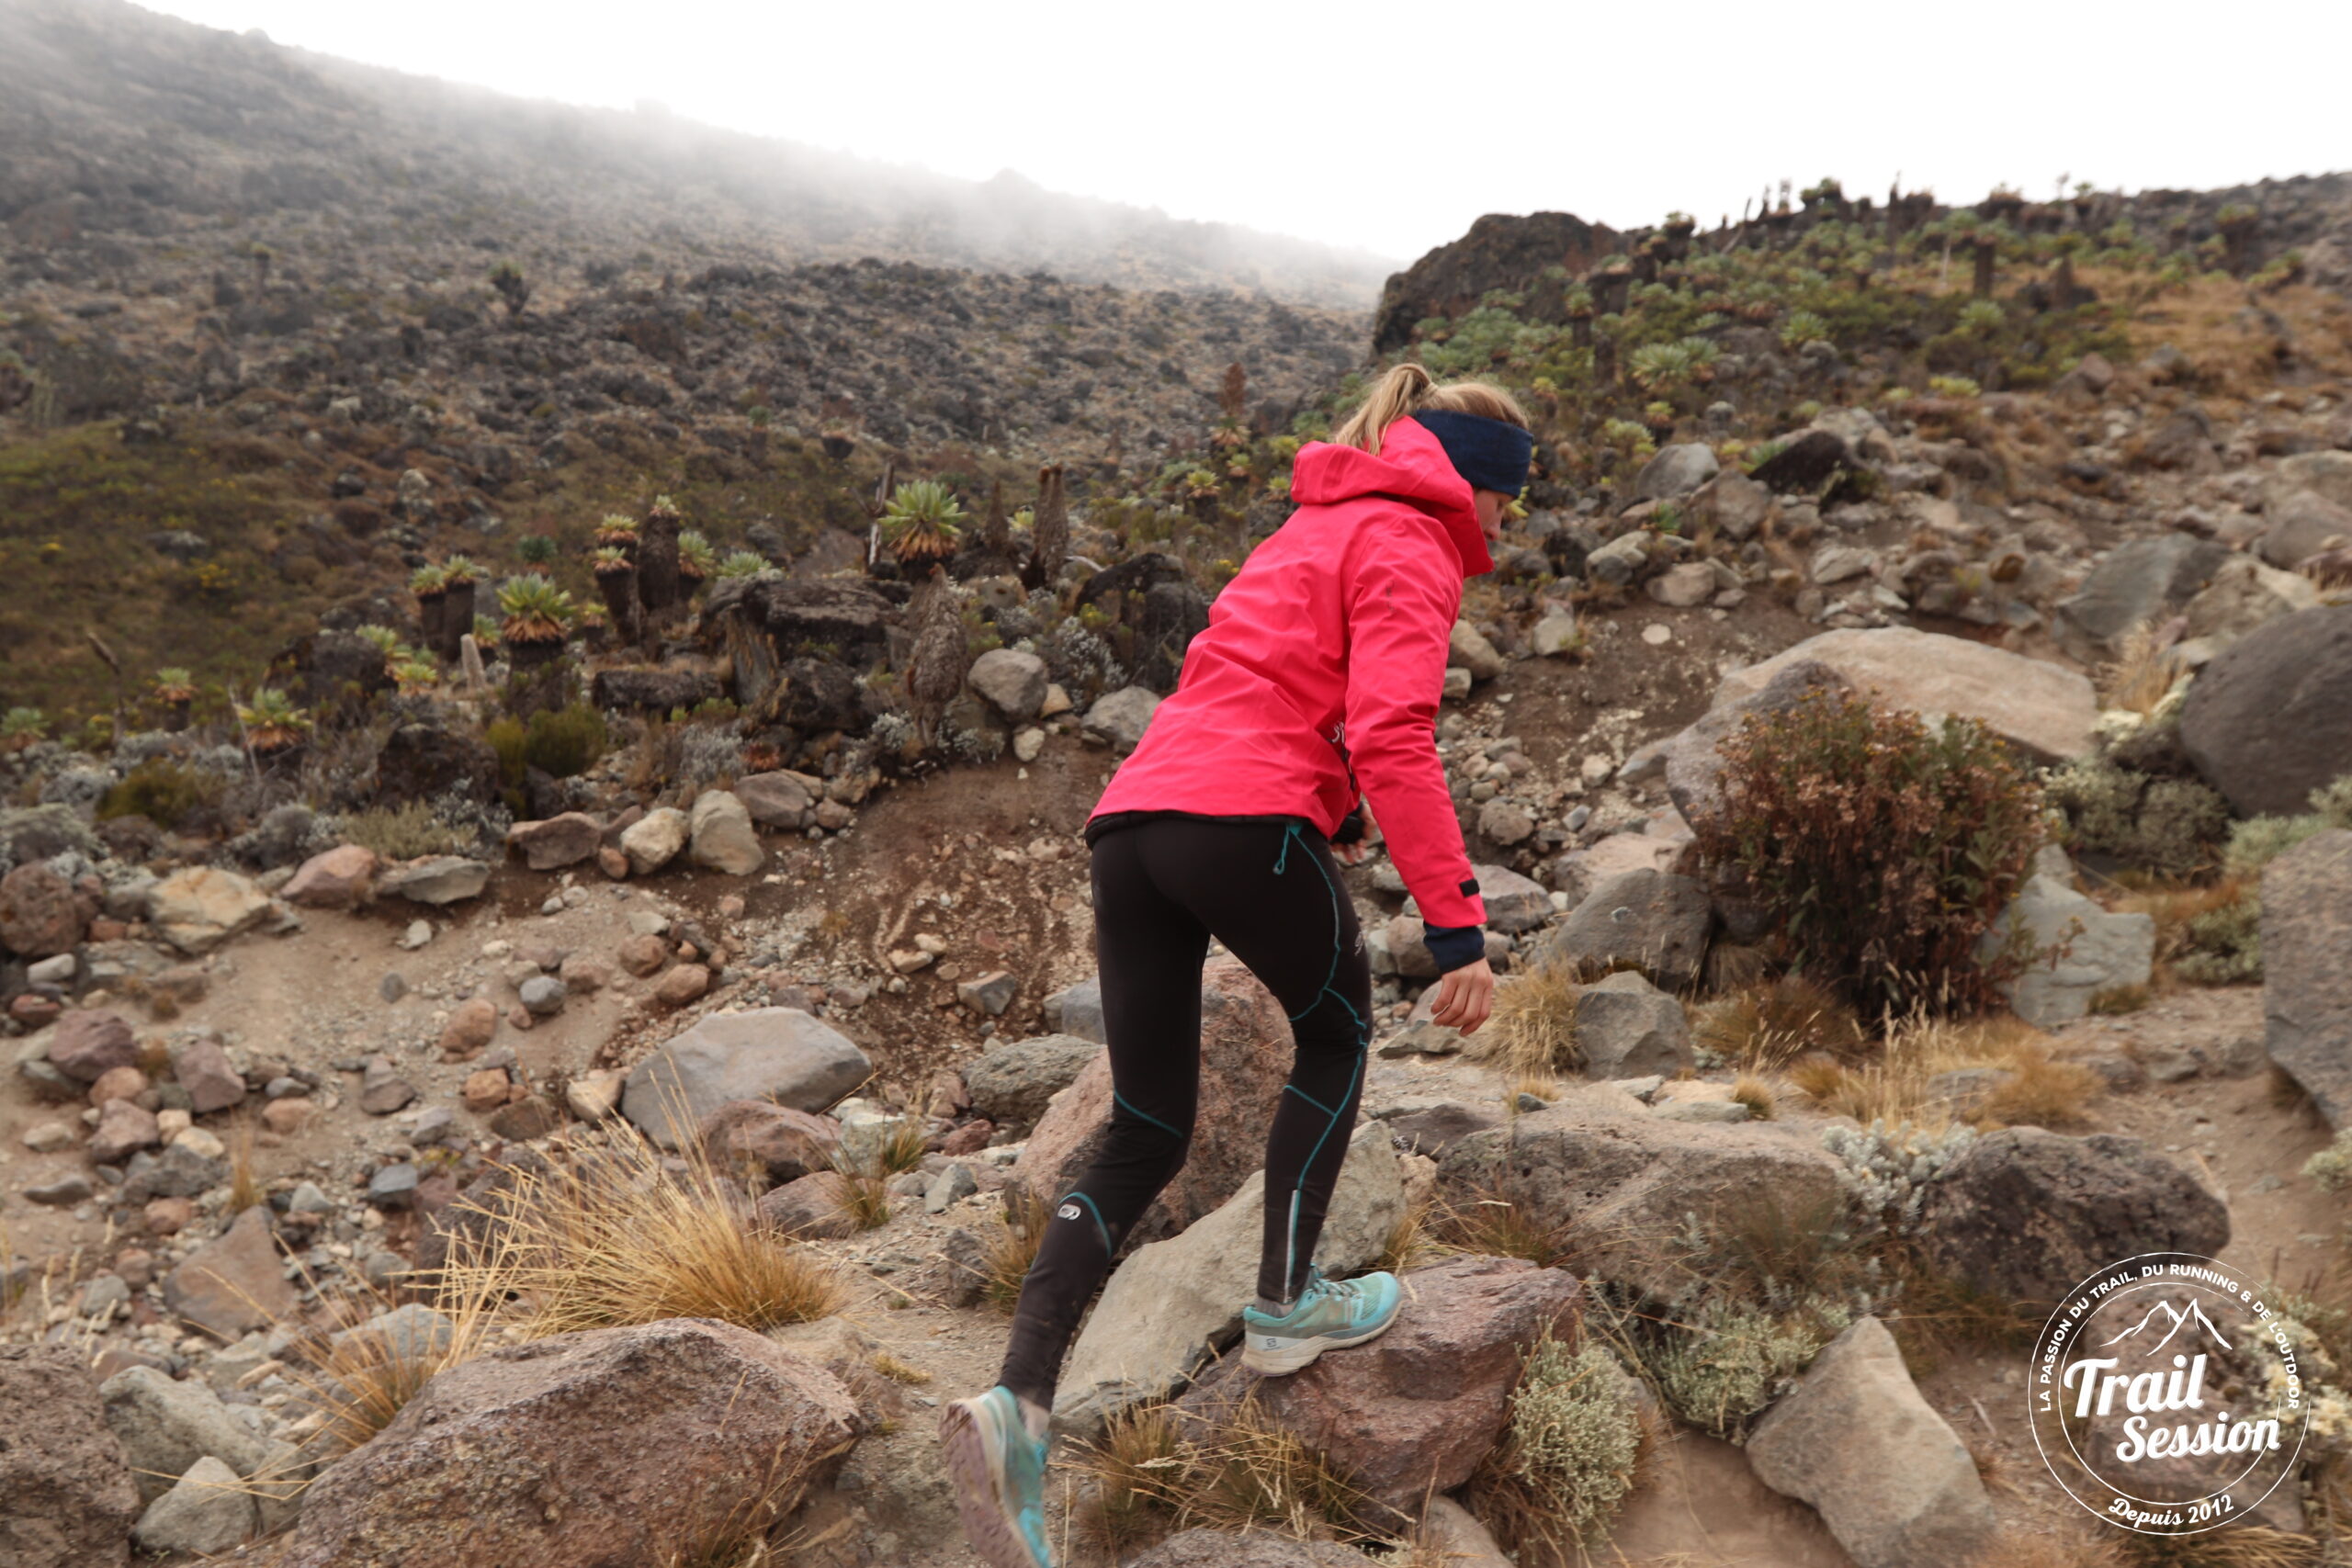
(1335, 633)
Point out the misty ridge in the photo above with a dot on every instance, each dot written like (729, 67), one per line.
(116, 117)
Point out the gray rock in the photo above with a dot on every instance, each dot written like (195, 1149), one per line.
(2026, 1214)
(1174, 1302)
(1630, 1177)
(1406, 940)
(230, 1287)
(180, 1171)
(2081, 949)
(1889, 1477)
(1012, 681)
(410, 1333)
(1700, 1108)
(1694, 762)
(393, 1185)
(2270, 719)
(436, 880)
(542, 996)
(197, 909)
(1122, 716)
(1077, 1010)
(71, 1502)
(207, 1510)
(654, 840)
(1684, 586)
(1627, 1028)
(85, 1044)
(989, 994)
(1010, 1084)
(2306, 986)
(2302, 524)
(1421, 1039)
(779, 1053)
(2040, 707)
(557, 841)
(381, 1088)
(62, 1194)
(785, 800)
(2138, 581)
(166, 1427)
(1514, 903)
(1467, 648)
(1650, 919)
(1506, 822)
(721, 836)
(1433, 1129)
(1677, 470)
(212, 1082)
(1737, 505)
(955, 1182)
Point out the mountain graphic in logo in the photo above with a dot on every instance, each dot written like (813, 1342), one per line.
(2173, 1320)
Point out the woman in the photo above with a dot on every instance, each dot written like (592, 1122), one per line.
(1320, 670)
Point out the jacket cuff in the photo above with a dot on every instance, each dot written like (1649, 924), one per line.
(1455, 946)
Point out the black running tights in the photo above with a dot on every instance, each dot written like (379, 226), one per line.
(1163, 886)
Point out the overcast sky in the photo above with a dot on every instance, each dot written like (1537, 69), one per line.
(1392, 127)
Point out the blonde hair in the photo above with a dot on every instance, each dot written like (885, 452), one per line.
(1409, 389)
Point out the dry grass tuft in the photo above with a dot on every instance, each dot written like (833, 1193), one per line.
(1755, 1094)
(1533, 1031)
(1491, 1224)
(866, 1195)
(899, 1372)
(2248, 1546)
(2116, 1000)
(2142, 670)
(1147, 1477)
(902, 1148)
(1409, 1243)
(2072, 1548)
(245, 1181)
(1896, 1085)
(745, 1536)
(613, 1237)
(1013, 1246)
(2176, 909)
(1768, 1025)
(359, 1383)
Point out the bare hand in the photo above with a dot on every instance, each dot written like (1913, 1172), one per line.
(1464, 996)
(1361, 850)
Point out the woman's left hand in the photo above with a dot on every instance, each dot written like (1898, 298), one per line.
(1351, 854)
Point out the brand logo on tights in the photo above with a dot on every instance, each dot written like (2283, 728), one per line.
(1068, 1211)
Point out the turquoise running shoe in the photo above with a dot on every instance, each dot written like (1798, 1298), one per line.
(1000, 1473)
(1330, 1314)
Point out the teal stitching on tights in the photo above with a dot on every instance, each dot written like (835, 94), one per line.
(1290, 1255)
(1133, 1110)
(1100, 1229)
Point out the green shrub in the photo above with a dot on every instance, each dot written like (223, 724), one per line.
(2332, 1167)
(1883, 850)
(1718, 1367)
(2224, 945)
(2259, 840)
(2173, 826)
(539, 549)
(405, 832)
(559, 742)
(163, 791)
(1567, 1456)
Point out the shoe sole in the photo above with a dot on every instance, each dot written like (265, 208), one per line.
(1307, 1352)
(977, 1468)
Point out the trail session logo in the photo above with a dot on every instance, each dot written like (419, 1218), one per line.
(2165, 1396)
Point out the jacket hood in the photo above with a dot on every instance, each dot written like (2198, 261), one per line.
(1412, 467)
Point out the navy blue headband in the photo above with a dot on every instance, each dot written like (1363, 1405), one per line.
(1492, 453)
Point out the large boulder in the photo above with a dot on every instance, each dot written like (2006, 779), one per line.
(339, 878)
(71, 1498)
(38, 916)
(198, 908)
(2079, 950)
(1246, 1046)
(557, 841)
(1175, 1303)
(1651, 920)
(1889, 1476)
(1011, 1084)
(722, 837)
(2026, 1214)
(437, 880)
(1627, 1028)
(2306, 988)
(654, 840)
(2043, 709)
(1679, 469)
(1120, 718)
(1514, 903)
(2303, 524)
(1413, 1414)
(1628, 1178)
(1077, 1010)
(2244, 594)
(2270, 719)
(777, 1054)
(164, 1426)
(778, 1142)
(1013, 683)
(603, 1449)
(2142, 579)
(230, 1287)
(782, 799)
(1694, 762)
